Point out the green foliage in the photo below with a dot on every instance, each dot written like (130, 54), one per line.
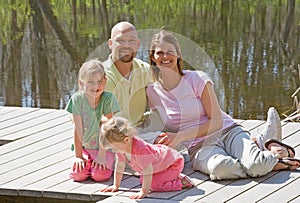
(14, 16)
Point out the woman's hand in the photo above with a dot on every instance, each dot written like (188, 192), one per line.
(168, 139)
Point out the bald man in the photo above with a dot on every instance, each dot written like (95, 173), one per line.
(127, 75)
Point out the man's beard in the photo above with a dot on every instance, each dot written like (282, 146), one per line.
(127, 58)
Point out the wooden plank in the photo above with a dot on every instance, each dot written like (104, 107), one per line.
(92, 193)
(239, 121)
(66, 189)
(23, 122)
(8, 109)
(16, 174)
(35, 176)
(38, 165)
(266, 187)
(18, 113)
(36, 137)
(84, 192)
(289, 129)
(201, 190)
(12, 165)
(127, 200)
(5, 158)
(36, 189)
(26, 119)
(294, 141)
(295, 200)
(13, 134)
(61, 189)
(233, 189)
(286, 193)
(128, 183)
(252, 124)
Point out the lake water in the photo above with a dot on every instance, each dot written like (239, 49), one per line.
(251, 49)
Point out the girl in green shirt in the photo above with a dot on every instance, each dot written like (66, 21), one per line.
(87, 107)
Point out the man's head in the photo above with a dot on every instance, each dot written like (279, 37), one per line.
(124, 42)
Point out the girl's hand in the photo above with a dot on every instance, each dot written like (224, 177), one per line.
(138, 195)
(100, 160)
(112, 188)
(79, 164)
(99, 163)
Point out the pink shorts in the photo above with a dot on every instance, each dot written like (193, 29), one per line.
(97, 174)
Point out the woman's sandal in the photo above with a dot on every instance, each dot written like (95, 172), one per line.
(285, 160)
(288, 147)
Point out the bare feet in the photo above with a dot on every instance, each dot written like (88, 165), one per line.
(287, 164)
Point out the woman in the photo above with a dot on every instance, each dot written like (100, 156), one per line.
(187, 104)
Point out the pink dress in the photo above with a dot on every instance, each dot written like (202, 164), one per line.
(167, 164)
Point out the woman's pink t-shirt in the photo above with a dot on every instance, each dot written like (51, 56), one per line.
(181, 108)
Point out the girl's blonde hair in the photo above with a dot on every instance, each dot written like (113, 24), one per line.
(88, 70)
(115, 130)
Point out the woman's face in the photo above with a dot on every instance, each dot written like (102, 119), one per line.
(165, 56)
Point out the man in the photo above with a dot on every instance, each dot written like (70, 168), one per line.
(127, 75)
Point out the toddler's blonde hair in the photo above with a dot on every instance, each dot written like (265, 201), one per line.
(115, 130)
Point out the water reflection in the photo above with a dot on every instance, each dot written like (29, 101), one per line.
(254, 47)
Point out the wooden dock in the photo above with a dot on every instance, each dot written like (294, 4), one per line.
(35, 161)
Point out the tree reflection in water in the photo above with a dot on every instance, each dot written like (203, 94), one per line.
(255, 47)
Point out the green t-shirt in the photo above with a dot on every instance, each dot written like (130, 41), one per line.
(130, 93)
(78, 105)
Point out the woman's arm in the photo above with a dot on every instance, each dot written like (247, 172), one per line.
(213, 124)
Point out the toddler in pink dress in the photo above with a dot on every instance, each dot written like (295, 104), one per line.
(160, 166)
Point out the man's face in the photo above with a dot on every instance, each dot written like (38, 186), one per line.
(124, 45)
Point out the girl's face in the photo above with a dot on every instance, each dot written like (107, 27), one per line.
(165, 56)
(95, 85)
(122, 147)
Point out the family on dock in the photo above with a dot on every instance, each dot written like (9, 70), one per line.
(129, 112)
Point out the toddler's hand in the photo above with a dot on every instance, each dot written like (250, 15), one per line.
(138, 195)
(112, 188)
